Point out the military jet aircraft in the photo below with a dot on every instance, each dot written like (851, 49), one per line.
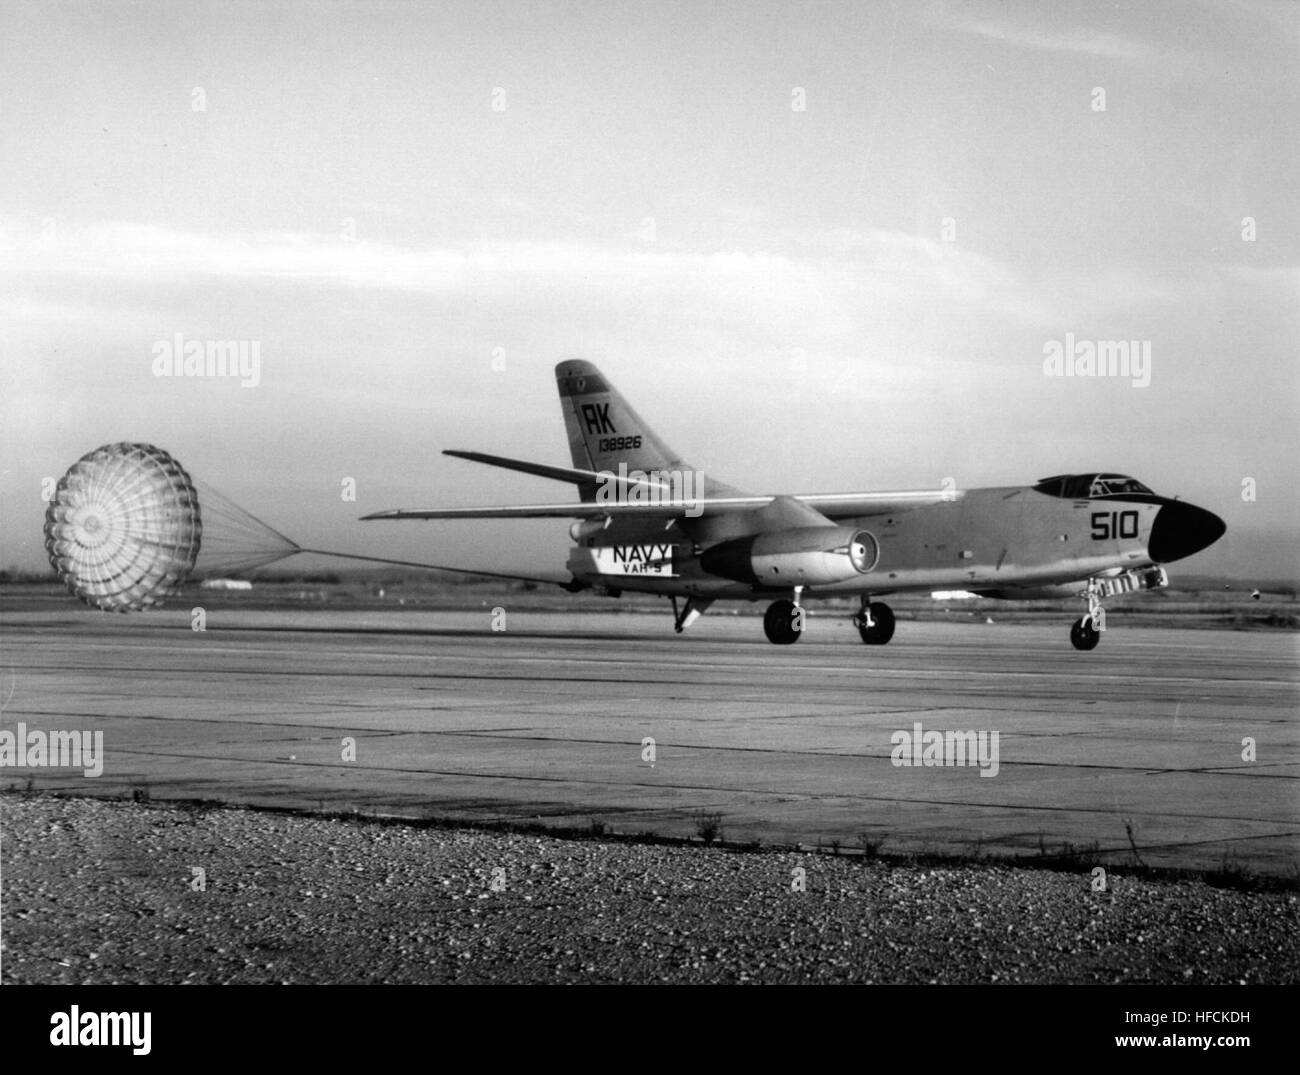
(647, 522)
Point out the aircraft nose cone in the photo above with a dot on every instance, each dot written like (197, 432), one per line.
(1182, 529)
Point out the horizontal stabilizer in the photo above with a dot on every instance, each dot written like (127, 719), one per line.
(543, 470)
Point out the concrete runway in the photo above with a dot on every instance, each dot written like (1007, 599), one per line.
(545, 720)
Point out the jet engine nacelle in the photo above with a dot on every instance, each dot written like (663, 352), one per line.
(808, 556)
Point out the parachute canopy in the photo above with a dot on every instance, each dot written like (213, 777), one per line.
(126, 523)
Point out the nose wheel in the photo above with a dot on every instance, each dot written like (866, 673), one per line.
(1086, 631)
(1084, 635)
(875, 622)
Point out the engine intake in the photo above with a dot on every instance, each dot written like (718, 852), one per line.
(808, 556)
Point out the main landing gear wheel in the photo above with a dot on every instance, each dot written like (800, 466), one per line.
(783, 623)
(875, 623)
(1083, 634)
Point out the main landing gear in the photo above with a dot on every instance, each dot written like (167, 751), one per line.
(874, 621)
(783, 621)
(1086, 631)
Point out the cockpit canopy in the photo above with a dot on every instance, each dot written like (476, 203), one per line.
(1090, 486)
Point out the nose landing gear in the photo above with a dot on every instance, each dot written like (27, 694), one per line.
(1086, 631)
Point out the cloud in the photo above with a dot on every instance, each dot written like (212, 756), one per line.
(1082, 41)
(832, 277)
(1029, 28)
(1194, 44)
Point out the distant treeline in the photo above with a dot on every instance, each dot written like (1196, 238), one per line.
(369, 577)
(391, 578)
(387, 578)
(1206, 583)
(11, 575)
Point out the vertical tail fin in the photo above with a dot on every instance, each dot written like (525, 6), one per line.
(603, 429)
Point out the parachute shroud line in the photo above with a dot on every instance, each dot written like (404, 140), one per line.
(128, 526)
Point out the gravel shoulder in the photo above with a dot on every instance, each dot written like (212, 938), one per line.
(101, 892)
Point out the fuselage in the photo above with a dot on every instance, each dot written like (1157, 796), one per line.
(646, 521)
(991, 539)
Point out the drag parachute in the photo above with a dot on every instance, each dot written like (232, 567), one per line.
(125, 527)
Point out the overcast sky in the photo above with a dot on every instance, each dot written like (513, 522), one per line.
(820, 248)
